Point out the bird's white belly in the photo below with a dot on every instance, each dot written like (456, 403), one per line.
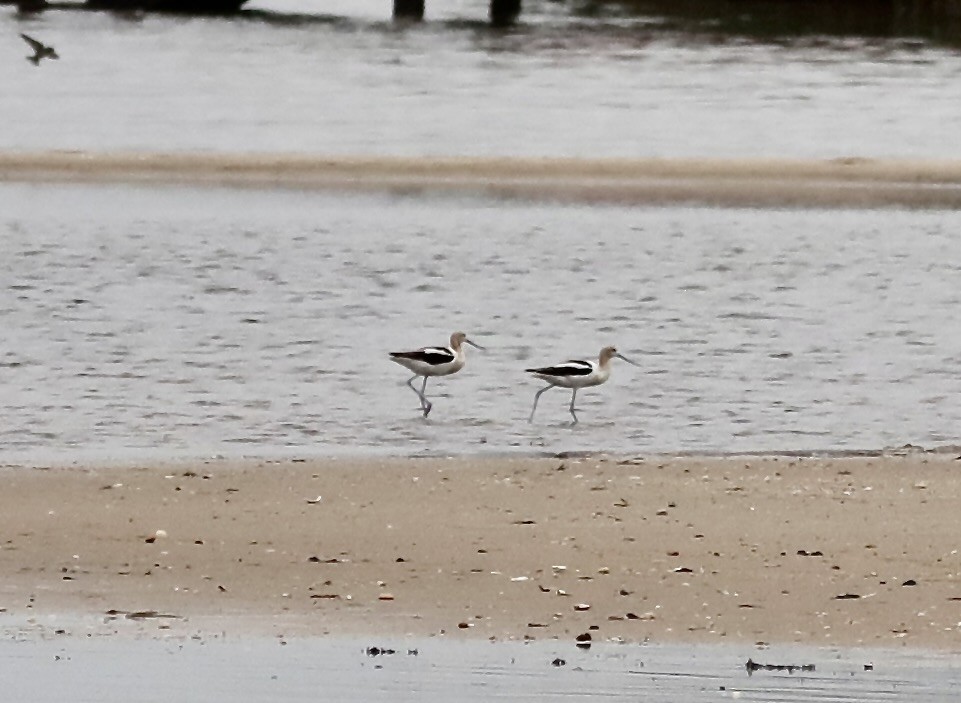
(422, 368)
(592, 379)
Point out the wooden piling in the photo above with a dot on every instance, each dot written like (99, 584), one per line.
(409, 9)
(504, 12)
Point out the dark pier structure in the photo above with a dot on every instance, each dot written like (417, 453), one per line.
(935, 19)
(502, 12)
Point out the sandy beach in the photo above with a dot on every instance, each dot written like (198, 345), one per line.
(821, 551)
(848, 182)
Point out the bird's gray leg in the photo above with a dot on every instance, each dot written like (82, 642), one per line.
(537, 397)
(424, 405)
(573, 398)
(427, 404)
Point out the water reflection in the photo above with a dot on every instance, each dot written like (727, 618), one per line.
(764, 20)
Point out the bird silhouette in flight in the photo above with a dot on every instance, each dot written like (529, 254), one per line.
(40, 50)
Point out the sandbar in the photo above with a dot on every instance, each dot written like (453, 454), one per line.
(744, 182)
(852, 551)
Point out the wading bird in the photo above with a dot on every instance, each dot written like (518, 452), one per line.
(576, 374)
(40, 50)
(434, 361)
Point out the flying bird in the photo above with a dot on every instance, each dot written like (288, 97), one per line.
(576, 374)
(40, 50)
(434, 361)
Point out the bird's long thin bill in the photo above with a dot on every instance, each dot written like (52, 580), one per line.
(624, 358)
(476, 346)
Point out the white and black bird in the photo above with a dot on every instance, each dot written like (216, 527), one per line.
(434, 361)
(576, 374)
(40, 50)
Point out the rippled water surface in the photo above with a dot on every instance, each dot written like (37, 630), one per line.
(337, 76)
(193, 321)
(188, 321)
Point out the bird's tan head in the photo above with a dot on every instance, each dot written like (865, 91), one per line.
(608, 353)
(459, 338)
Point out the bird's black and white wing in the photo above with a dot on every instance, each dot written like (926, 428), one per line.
(568, 369)
(435, 356)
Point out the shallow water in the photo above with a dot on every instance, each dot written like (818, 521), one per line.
(336, 76)
(187, 322)
(260, 669)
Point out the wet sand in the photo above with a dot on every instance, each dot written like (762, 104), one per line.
(820, 551)
(850, 182)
